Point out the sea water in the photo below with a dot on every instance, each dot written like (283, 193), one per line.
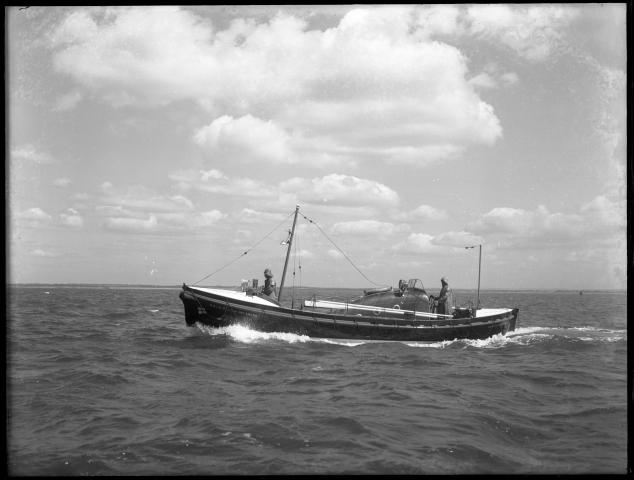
(110, 381)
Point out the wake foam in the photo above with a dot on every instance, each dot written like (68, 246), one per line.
(244, 334)
(523, 336)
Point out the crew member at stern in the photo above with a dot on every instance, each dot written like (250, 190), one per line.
(442, 297)
(270, 288)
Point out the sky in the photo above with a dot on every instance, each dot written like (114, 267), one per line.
(158, 144)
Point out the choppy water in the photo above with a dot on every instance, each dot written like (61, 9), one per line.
(110, 381)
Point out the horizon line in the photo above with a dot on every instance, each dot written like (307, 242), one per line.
(302, 287)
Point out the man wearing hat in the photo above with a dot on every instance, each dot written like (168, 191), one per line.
(443, 296)
(270, 288)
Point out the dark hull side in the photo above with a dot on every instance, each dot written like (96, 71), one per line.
(218, 311)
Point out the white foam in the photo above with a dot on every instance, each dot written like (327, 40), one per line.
(247, 335)
(441, 344)
(342, 342)
(520, 336)
(526, 331)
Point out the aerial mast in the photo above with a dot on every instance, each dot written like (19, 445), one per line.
(288, 253)
(479, 267)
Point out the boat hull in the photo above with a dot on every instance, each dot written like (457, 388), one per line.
(218, 308)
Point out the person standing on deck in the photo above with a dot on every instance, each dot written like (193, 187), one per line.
(270, 288)
(443, 296)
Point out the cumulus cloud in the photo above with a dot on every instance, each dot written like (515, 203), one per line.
(62, 182)
(34, 215)
(140, 198)
(334, 253)
(250, 215)
(334, 190)
(138, 209)
(31, 154)
(443, 244)
(67, 101)
(600, 218)
(193, 219)
(39, 252)
(534, 32)
(214, 181)
(341, 189)
(132, 225)
(605, 213)
(423, 212)
(521, 222)
(418, 243)
(366, 227)
(71, 218)
(376, 81)
(484, 81)
(245, 139)
(459, 239)
(174, 223)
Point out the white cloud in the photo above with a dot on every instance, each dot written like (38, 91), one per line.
(509, 78)
(365, 227)
(71, 218)
(214, 181)
(214, 174)
(31, 154)
(538, 223)
(62, 182)
(334, 254)
(132, 225)
(433, 20)
(483, 80)
(34, 214)
(140, 198)
(192, 220)
(375, 81)
(67, 101)
(534, 32)
(418, 243)
(493, 76)
(245, 139)
(459, 239)
(340, 189)
(423, 212)
(599, 219)
(174, 223)
(38, 252)
(444, 244)
(334, 190)
(142, 210)
(250, 215)
(605, 213)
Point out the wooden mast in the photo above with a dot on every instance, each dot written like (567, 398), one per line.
(288, 253)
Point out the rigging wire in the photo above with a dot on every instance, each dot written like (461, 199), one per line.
(246, 251)
(340, 250)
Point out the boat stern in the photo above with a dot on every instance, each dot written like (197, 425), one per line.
(515, 315)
